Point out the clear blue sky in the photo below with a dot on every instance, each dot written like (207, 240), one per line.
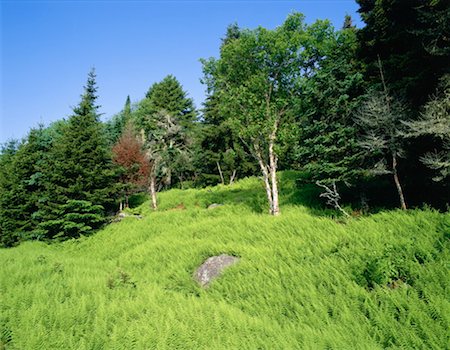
(48, 47)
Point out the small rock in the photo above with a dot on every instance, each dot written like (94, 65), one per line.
(119, 217)
(213, 267)
(214, 205)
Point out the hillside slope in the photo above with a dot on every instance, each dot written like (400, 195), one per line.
(304, 280)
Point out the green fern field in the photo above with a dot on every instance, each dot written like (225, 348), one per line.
(305, 280)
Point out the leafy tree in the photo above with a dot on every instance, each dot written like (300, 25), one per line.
(219, 155)
(257, 81)
(79, 168)
(128, 154)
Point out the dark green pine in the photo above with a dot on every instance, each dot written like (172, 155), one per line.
(79, 169)
(169, 95)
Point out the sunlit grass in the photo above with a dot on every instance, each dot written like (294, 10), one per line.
(304, 280)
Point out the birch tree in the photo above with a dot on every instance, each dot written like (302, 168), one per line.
(254, 80)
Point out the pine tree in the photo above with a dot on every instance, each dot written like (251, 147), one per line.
(169, 95)
(116, 125)
(22, 183)
(166, 100)
(411, 38)
(327, 144)
(79, 179)
(8, 217)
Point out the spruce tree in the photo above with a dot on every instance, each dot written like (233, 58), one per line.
(116, 125)
(166, 100)
(169, 95)
(8, 219)
(79, 178)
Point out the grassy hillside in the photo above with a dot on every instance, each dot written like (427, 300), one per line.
(304, 281)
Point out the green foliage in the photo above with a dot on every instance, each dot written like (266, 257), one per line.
(409, 37)
(23, 184)
(299, 284)
(216, 145)
(115, 126)
(77, 168)
(327, 138)
(169, 95)
(255, 76)
(74, 219)
(166, 146)
(167, 112)
(8, 237)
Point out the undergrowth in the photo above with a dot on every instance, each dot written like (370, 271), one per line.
(304, 280)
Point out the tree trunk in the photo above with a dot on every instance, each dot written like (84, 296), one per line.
(153, 191)
(273, 160)
(273, 179)
(126, 201)
(120, 206)
(397, 181)
(233, 176)
(266, 178)
(270, 171)
(220, 173)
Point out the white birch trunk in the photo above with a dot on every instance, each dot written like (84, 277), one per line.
(266, 178)
(273, 180)
(220, 173)
(273, 169)
(153, 191)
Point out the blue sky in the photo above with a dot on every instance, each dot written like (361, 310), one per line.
(48, 47)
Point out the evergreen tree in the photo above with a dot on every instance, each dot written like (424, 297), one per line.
(411, 38)
(169, 95)
(348, 22)
(79, 176)
(116, 125)
(327, 143)
(8, 217)
(167, 98)
(22, 183)
(219, 156)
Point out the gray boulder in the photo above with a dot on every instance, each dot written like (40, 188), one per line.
(213, 267)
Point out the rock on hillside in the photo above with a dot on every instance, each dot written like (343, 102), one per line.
(213, 267)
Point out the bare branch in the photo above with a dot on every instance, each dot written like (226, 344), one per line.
(332, 196)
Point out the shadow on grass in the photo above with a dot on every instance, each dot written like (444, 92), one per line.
(137, 199)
